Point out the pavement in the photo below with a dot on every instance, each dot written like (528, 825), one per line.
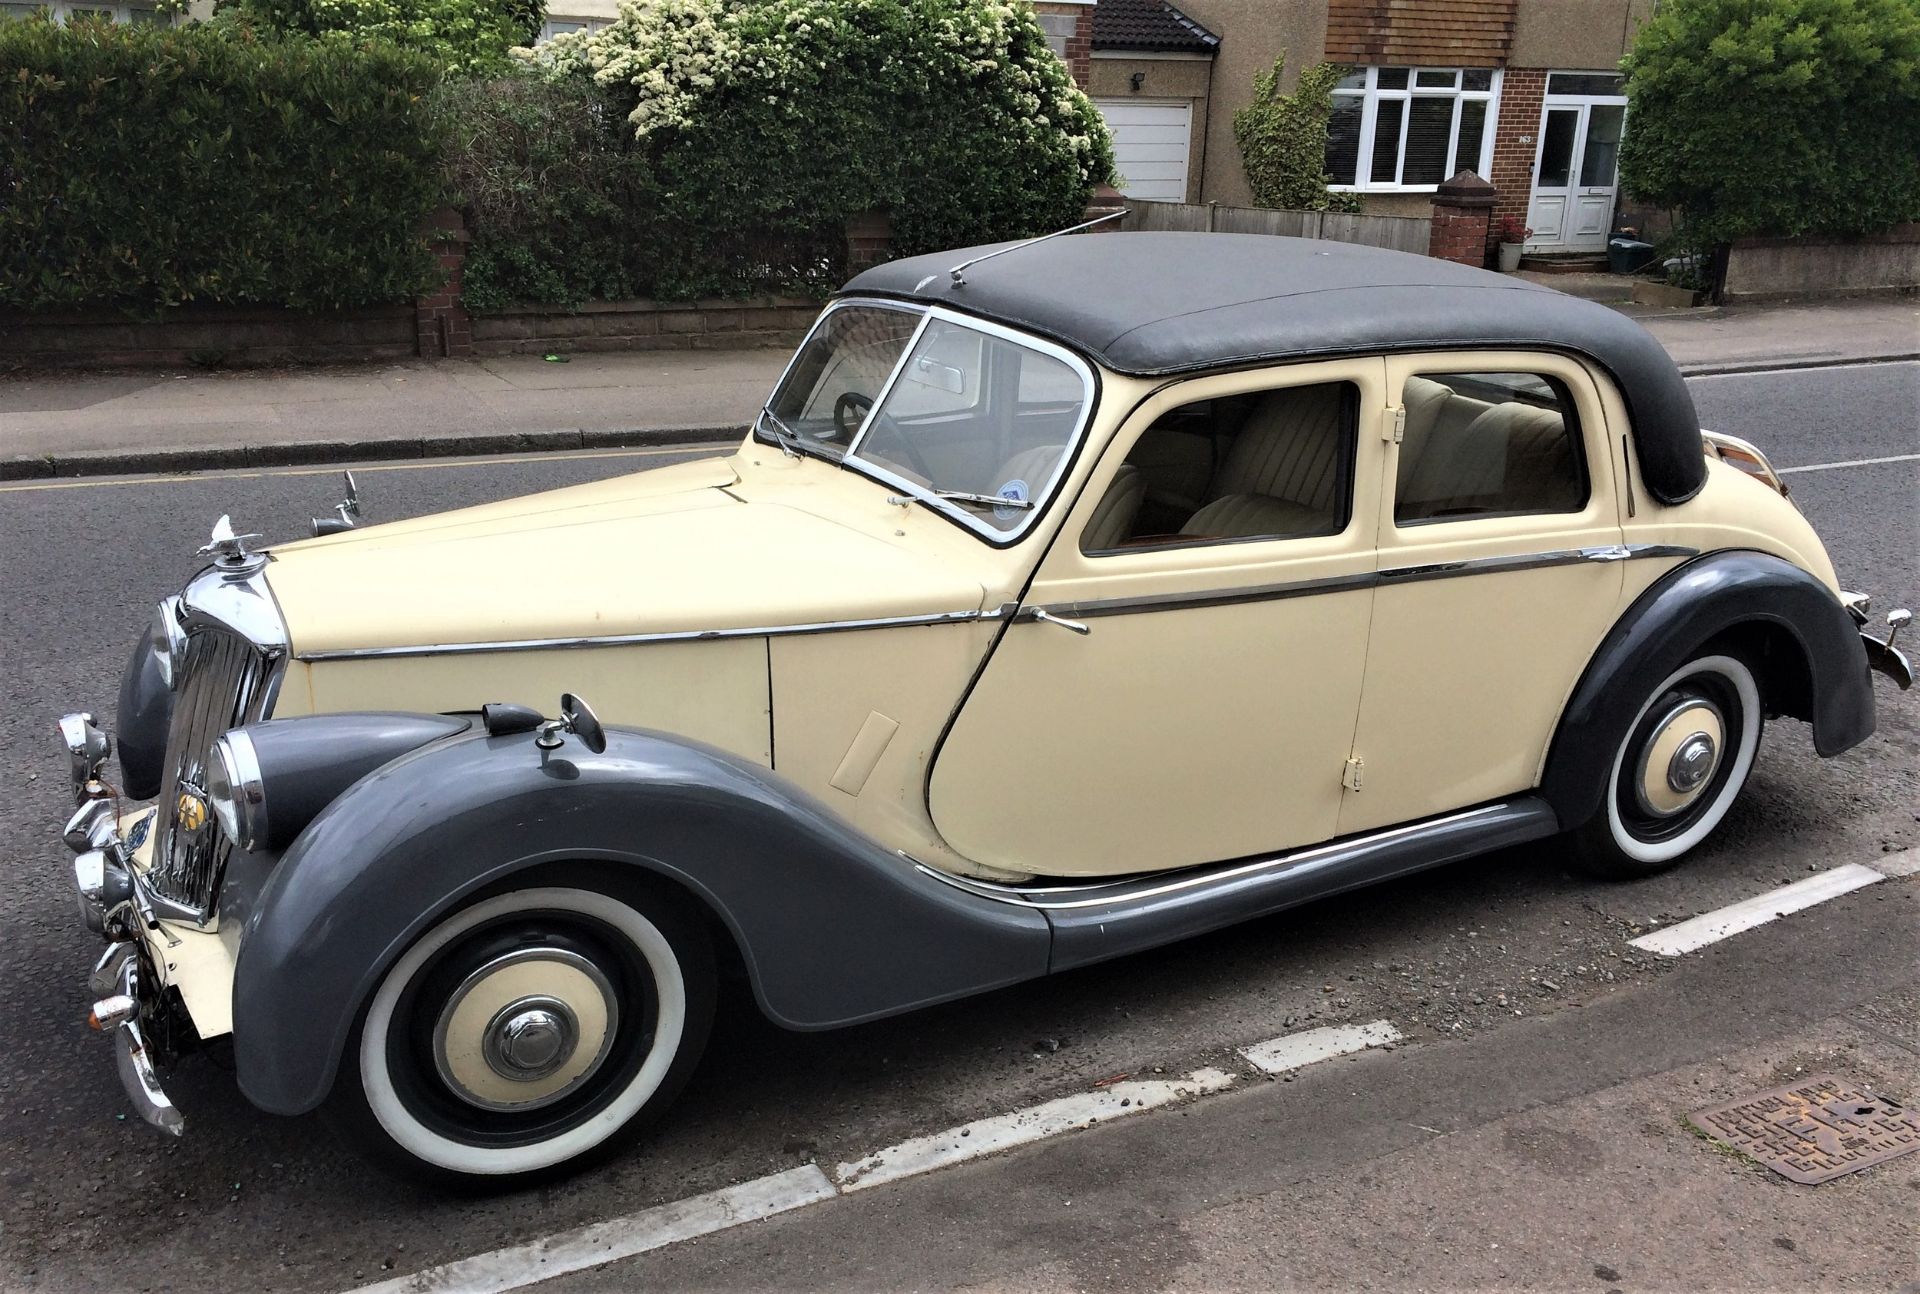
(87, 423)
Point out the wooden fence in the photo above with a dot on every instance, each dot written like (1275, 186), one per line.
(1401, 233)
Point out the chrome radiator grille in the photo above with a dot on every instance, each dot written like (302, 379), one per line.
(222, 684)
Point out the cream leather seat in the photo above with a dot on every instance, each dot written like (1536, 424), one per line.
(1286, 469)
(1113, 518)
(1511, 457)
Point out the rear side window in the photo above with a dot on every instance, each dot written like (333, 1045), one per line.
(1487, 445)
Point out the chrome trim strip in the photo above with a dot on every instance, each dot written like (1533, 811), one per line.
(1002, 612)
(1533, 561)
(1040, 497)
(1358, 580)
(1103, 891)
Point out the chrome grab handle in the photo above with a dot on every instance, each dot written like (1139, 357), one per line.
(1047, 617)
(1607, 553)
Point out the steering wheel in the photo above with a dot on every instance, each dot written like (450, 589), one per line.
(891, 433)
(850, 402)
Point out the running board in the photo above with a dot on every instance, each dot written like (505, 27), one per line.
(1098, 919)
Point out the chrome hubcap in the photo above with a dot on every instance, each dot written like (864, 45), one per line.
(524, 1029)
(1681, 755)
(530, 1038)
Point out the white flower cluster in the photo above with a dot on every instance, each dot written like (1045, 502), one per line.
(672, 54)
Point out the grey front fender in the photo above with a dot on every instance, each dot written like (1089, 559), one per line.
(834, 929)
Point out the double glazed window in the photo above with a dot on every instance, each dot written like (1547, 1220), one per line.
(1410, 127)
(62, 11)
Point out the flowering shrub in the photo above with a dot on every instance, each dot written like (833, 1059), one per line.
(1509, 230)
(765, 124)
(467, 37)
(142, 166)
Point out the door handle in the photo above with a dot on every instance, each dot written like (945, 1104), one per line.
(1045, 616)
(1609, 553)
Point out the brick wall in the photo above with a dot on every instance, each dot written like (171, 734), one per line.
(718, 324)
(1079, 44)
(1515, 137)
(1458, 228)
(1446, 33)
(225, 336)
(440, 320)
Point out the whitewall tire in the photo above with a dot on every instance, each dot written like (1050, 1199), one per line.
(1677, 769)
(528, 1033)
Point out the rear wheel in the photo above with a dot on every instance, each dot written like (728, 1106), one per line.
(528, 1034)
(1677, 770)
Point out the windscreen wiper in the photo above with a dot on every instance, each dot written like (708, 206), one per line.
(964, 496)
(783, 435)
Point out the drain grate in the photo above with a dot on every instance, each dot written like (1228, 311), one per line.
(1814, 1130)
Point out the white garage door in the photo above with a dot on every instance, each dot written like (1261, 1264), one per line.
(1149, 146)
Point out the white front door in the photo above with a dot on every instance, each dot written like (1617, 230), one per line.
(1575, 173)
(1149, 146)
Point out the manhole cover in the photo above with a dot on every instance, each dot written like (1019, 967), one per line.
(1815, 1130)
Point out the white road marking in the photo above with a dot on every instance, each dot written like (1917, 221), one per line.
(519, 1266)
(1849, 462)
(1297, 1049)
(1002, 1132)
(604, 1242)
(1711, 927)
(1904, 863)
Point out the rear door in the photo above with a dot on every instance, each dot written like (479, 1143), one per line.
(1500, 572)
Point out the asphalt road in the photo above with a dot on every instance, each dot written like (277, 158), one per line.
(1457, 958)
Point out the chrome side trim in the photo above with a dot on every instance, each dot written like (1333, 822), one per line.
(1134, 889)
(1003, 612)
(1533, 561)
(1395, 575)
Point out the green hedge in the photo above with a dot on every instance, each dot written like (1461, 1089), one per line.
(747, 133)
(145, 166)
(1776, 117)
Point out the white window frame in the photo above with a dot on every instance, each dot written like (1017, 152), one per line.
(582, 25)
(62, 10)
(1371, 96)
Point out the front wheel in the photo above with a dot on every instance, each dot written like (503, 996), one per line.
(1677, 770)
(528, 1034)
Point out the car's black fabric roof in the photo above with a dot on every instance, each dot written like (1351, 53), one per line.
(1163, 303)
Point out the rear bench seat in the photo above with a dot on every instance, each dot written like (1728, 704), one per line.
(1461, 456)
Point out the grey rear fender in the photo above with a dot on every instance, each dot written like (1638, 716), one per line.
(1810, 656)
(832, 927)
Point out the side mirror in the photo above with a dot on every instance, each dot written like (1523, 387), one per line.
(578, 718)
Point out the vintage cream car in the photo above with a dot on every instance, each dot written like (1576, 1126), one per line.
(1067, 598)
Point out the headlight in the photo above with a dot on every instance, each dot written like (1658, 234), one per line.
(169, 640)
(1737, 453)
(237, 791)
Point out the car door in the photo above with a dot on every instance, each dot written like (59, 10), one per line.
(1181, 682)
(1500, 573)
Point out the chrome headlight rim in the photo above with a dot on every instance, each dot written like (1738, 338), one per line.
(236, 790)
(169, 637)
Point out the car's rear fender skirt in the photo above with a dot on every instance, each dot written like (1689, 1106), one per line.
(832, 928)
(1736, 598)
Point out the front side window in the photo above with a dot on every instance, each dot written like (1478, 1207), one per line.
(1397, 128)
(974, 420)
(1487, 445)
(1264, 465)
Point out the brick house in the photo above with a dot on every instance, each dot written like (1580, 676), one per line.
(1522, 92)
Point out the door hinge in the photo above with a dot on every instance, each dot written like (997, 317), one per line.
(1351, 777)
(1394, 426)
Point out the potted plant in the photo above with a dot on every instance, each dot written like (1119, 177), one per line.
(1512, 236)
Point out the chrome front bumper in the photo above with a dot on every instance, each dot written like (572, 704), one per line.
(127, 999)
(1882, 656)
